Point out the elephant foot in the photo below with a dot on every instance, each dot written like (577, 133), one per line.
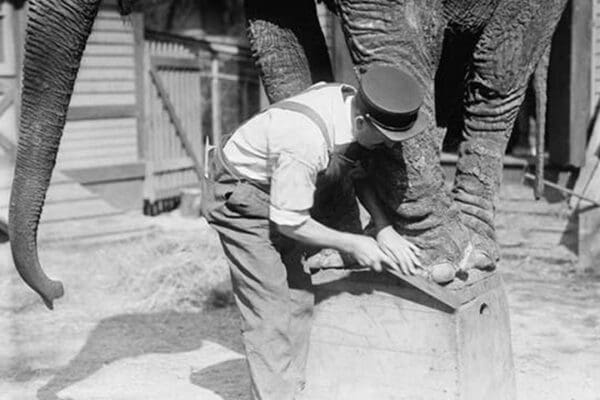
(473, 258)
(485, 254)
(444, 250)
(449, 251)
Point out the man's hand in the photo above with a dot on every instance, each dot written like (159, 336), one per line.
(367, 253)
(364, 249)
(401, 251)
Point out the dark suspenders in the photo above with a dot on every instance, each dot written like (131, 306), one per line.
(317, 120)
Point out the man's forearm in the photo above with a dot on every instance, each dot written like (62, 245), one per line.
(368, 198)
(316, 234)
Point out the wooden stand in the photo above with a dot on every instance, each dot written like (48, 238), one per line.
(375, 337)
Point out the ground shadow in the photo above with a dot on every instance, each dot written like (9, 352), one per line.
(229, 379)
(570, 236)
(132, 335)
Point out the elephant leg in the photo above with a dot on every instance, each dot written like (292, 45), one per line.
(505, 56)
(409, 178)
(288, 45)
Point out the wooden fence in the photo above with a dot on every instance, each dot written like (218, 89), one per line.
(194, 91)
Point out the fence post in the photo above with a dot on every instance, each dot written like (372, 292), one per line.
(216, 99)
(147, 125)
(137, 19)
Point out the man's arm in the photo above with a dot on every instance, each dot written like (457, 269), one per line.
(364, 249)
(370, 201)
(404, 253)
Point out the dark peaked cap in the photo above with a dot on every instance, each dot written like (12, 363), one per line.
(393, 100)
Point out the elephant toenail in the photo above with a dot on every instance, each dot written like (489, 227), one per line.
(442, 273)
(482, 261)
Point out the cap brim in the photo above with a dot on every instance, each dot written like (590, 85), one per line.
(398, 136)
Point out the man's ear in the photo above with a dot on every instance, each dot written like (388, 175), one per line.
(360, 122)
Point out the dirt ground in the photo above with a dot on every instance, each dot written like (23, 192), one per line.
(152, 318)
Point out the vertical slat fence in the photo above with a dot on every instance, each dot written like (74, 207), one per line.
(194, 89)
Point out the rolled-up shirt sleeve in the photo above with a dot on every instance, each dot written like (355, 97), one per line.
(292, 190)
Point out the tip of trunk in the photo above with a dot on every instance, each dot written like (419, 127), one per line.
(28, 266)
(54, 291)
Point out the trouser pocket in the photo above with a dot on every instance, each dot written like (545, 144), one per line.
(249, 201)
(217, 185)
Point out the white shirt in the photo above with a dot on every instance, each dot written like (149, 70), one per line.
(286, 149)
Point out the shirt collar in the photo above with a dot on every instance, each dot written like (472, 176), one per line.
(342, 112)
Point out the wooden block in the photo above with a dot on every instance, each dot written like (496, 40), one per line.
(375, 337)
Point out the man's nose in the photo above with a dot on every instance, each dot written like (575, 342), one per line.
(389, 144)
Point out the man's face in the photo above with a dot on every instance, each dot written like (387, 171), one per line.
(368, 135)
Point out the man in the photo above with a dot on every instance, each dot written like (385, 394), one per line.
(259, 200)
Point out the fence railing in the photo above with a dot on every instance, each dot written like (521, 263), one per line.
(194, 91)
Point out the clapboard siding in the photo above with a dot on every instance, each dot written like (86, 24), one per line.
(87, 87)
(111, 49)
(104, 74)
(595, 54)
(112, 23)
(108, 61)
(111, 37)
(97, 162)
(107, 78)
(91, 126)
(102, 99)
(101, 142)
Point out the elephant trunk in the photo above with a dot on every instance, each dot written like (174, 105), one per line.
(57, 32)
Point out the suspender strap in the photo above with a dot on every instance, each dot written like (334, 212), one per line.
(310, 113)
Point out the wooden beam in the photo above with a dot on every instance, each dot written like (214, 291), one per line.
(215, 101)
(9, 147)
(110, 173)
(7, 100)
(569, 85)
(570, 192)
(249, 78)
(591, 169)
(162, 92)
(177, 63)
(140, 71)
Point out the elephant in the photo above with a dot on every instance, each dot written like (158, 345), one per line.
(472, 58)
